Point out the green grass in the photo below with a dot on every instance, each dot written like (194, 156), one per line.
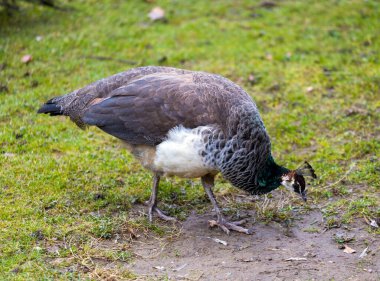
(312, 67)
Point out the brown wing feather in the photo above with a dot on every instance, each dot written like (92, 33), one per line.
(76, 103)
(140, 105)
(143, 111)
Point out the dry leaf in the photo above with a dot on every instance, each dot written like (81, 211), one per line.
(26, 59)
(348, 250)
(156, 13)
(373, 223)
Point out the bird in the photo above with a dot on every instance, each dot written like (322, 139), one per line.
(184, 123)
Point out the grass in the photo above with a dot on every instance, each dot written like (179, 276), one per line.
(311, 66)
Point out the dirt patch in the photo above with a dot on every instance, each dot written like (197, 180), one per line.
(302, 252)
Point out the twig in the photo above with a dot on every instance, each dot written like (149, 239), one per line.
(111, 59)
(352, 166)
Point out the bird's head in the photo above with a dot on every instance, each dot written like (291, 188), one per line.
(295, 180)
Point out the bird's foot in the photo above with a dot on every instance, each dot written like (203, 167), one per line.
(160, 214)
(227, 226)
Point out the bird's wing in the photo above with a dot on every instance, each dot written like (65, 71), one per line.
(77, 102)
(144, 110)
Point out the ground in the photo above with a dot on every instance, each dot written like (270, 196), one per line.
(72, 201)
(272, 253)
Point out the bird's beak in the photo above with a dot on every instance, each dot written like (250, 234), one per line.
(303, 195)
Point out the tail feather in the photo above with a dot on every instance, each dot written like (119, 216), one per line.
(50, 107)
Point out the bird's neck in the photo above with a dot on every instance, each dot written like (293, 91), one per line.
(270, 176)
(266, 178)
(244, 154)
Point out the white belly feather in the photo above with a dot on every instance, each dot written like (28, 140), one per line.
(180, 154)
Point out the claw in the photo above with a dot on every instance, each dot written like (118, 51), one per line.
(208, 183)
(160, 214)
(163, 216)
(227, 226)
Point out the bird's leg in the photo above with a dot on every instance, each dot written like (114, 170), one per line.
(208, 184)
(152, 203)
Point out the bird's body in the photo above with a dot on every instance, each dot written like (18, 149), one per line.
(179, 122)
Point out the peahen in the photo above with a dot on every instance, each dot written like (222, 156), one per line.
(185, 123)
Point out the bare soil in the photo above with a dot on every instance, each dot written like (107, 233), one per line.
(304, 251)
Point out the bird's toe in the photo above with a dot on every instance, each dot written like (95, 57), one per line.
(160, 214)
(228, 226)
(163, 216)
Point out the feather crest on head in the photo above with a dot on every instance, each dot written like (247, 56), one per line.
(306, 170)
